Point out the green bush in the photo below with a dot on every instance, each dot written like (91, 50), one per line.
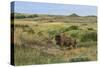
(79, 59)
(52, 33)
(19, 16)
(32, 16)
(21, 26)
(89, 36)
(90, 28)
(65, 29)
(73, 27)
(87, 44)
(74, 33)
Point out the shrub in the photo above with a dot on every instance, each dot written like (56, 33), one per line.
(19, 16)
(32, 16)
(90, 28)
(73, 27)
(21, 26)
(87, 44)
(52, 33)
(65, 29)
(89, 36)
(79, 59)
(74, 33)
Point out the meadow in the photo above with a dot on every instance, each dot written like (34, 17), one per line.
(34, 38)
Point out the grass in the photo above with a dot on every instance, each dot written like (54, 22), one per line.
(79, 59)
(88, 36)
(35, 42)
(27, 56)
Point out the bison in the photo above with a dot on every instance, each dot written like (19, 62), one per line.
(63, 40)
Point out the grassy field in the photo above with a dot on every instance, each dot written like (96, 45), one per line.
(34, 39)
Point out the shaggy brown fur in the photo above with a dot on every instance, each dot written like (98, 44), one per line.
(63, 40)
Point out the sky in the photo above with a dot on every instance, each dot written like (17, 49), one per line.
(53, 9)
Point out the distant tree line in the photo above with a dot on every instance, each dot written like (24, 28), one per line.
(21, 16)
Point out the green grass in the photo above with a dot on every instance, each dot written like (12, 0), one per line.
(79, 59)
(89, 36)
(27, 56)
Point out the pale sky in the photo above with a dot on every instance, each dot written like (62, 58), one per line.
(53, 9)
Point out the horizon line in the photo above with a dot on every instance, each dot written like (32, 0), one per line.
(52, 14)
